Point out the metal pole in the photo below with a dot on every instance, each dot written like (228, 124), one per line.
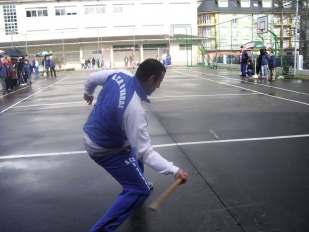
(62, 47)
(26, 44)
(12, 38)
(98, 41)
(231, 41)
(295, 55)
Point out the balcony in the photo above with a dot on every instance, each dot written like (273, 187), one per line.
(202, 23)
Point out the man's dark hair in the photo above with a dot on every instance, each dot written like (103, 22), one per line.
(148, 68)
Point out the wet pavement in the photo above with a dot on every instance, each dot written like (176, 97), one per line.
(254, 177)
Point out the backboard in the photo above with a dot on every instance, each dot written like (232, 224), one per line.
(262, 25)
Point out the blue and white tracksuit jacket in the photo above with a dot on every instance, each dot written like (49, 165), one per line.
(118, 119)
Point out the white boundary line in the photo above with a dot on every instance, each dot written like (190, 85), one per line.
(32, 95)
(161, 145)
(51, 104)
(268, 86)
(161, 97)
(203, 95)
(219, 82)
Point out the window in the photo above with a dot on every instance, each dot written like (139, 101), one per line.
(266, 3)
(222, 3)
(37, 12)
(10, 19)
(184, 47)
(154, 46)
(223, 17)
(118, 9)
(123, 8)
(245, 3)
(235, 43)
(223, 31)
(286, 19)
(285, 43)
(125, 47)
(205, 19)
(246, 32)
(276, 19)
(223, 42)
(206, 31)
(95, 9)
(60, 11)
(234, 20)
(207, 43)
(234, 31)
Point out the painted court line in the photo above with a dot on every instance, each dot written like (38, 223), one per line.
(162, 97)
(235, 86)
(31, 95)
(51, 104)
(162, 145)
(268, 86)
(202, 95)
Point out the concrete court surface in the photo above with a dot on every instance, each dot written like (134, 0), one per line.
(254, 178)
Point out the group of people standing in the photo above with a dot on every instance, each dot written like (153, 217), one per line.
(265, 61)
(90, 63)
(166, 59)
(48, 65)
(15, 72)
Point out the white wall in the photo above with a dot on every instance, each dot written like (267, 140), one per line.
(145, 18)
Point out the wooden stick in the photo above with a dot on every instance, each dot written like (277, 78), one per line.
(214, 134)
(157, 202)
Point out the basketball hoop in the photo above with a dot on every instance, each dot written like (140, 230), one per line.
(260, 30)
(262, 25)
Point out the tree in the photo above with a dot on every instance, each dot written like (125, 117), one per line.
(303, 27)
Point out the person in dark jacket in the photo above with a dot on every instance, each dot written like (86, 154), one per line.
(52, 68)
(20, 65)
(243, 58)
(27, 72)
(3, 75)
(9, 80)
(98, 63)
(45, 64)
(93, 62)
(272, 66)
(264, 64)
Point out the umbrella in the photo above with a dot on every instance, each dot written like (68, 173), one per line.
(43, 53)
(254, 44)
(15, 52)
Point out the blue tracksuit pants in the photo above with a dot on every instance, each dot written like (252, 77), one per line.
(243, 67)
(125, 168)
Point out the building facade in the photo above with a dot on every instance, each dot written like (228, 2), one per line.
(225, 25)
(104, 29)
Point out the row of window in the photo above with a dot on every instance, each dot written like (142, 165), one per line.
(60, 11)
(206, 18)
(10, 19)
(149, 47)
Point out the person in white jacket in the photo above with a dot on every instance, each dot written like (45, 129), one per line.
(116, 137)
